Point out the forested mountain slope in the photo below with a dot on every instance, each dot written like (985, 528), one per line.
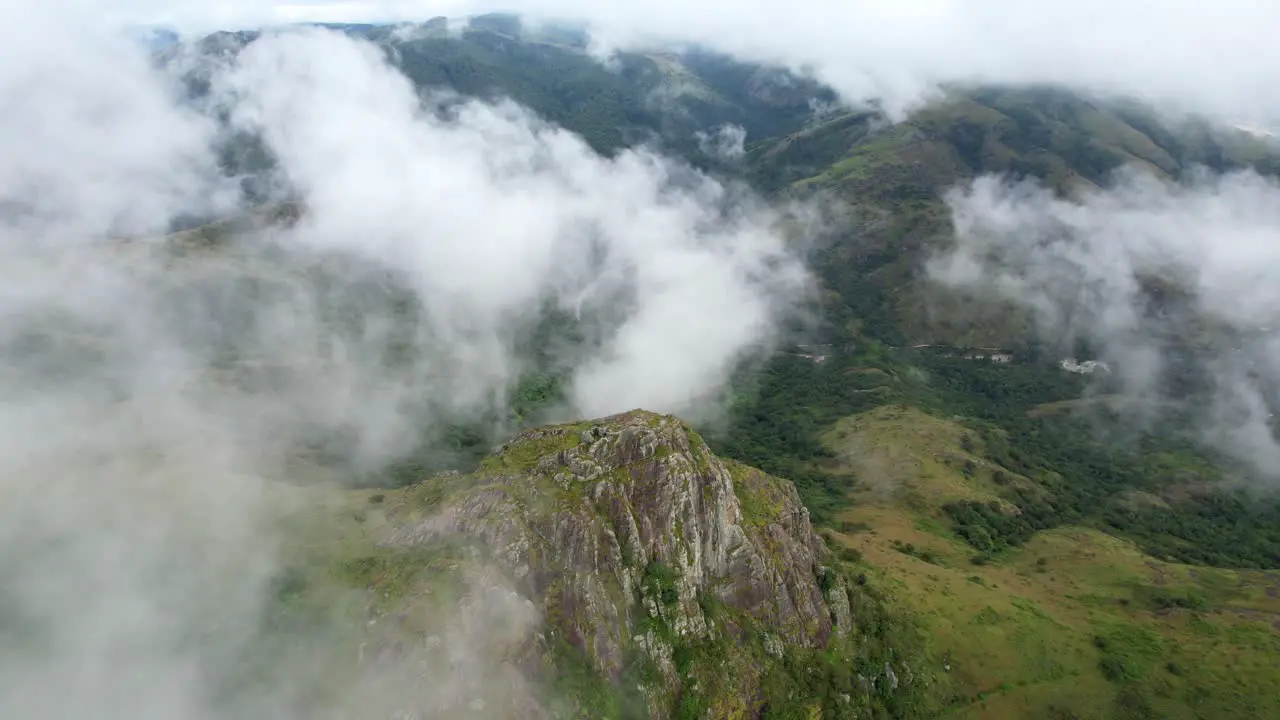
(789, 134)
(1060, 558)
(897, 175)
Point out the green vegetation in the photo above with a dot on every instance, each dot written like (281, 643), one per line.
(846, 680)
(1069, 469)
(578, 692)
(893, 178)
(1070, 620)
(756, 493)
(1128, 651)
(998, 521)
(778, 418)
(523, 454)
(1003, 517)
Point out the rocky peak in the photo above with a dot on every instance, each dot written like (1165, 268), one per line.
(636, 539)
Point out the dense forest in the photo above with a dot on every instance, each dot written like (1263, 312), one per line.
(1056, 468)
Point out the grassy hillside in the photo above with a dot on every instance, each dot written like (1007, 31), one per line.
(1075, 623)
(1060, 563)
(1059, 460)
(894, 175)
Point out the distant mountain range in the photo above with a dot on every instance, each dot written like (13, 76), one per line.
(799, 139)
(1055, 571)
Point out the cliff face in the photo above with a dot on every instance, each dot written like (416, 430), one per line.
(666, 568)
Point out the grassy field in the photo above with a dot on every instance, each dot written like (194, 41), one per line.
(1073, 624)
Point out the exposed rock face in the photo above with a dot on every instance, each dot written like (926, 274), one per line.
(629, 520)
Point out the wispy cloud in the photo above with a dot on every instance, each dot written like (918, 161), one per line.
(1216, 58)
(492, 213)
(1177, 285)
(151, 400)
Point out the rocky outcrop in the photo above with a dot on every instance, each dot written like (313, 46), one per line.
(633, 536)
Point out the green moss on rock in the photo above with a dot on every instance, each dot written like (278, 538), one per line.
(693, 583)
(760, 496)
(524, 453)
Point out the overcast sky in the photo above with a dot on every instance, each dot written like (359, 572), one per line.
(1218, 57)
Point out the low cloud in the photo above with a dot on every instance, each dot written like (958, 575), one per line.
(156, 394)
(1176, 285)
(726, 143)
(491, 214)
(1216, 58)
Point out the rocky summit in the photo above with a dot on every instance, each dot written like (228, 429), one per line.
(686, 580)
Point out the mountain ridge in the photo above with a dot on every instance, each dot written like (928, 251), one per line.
(984, 464)
(657, 565)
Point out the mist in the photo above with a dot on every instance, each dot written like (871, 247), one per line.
(490, 213)
(1176, 286)
(1189, 56)
(168, 405)
(726, 143)
(167, 408)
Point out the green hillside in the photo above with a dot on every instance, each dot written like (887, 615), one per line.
(1073, 623)
(1055, 571)
(662, 97)
(894, 177)
(998, 528)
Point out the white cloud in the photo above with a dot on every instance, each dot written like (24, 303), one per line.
(726, 143)
(126, 178)
(149, 401)
(492, 211)
(138, 529)
(1087, 269)
(1212, 57)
